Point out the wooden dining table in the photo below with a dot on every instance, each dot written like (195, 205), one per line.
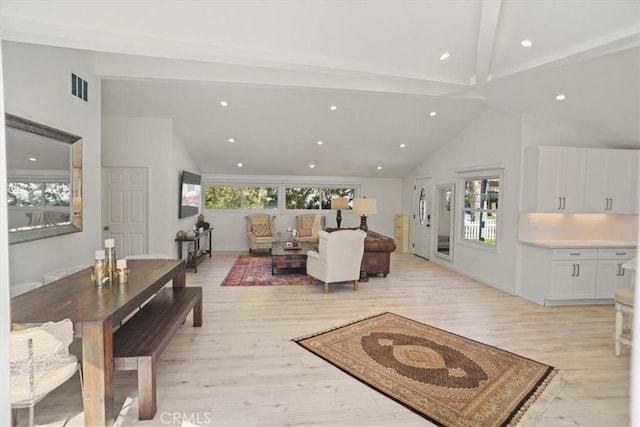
(96, 311)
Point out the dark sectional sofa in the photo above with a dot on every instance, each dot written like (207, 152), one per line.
(377, 252)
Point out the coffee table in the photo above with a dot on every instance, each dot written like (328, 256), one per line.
(290, 259)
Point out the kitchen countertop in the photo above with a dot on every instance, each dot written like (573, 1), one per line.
(560, 244)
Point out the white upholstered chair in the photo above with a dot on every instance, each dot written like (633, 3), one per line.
(261, 231)
(40, 362)
(308, 226)
(148, 256)
(338, 257)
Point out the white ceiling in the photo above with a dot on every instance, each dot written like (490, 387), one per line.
(280, 65)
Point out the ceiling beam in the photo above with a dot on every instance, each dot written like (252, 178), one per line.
(489, 15)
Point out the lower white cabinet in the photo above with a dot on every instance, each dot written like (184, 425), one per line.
(611, 275)
(573, 276)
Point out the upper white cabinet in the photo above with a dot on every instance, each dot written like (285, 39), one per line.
(611, 181)
(554, 177)
(580, 180)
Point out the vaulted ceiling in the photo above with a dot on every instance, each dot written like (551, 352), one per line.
(280, 65)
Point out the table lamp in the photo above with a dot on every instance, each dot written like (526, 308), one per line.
(339, 203)
(364, 207)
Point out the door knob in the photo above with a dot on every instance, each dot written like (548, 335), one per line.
(105, 228)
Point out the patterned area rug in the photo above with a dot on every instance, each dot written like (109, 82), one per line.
(256, 271)
(446, 378)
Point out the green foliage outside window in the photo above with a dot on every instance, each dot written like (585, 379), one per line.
(223, 197)
(38, 194)
(229, 197)
(314, 198)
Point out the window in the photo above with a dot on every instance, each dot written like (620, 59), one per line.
(314, 198)
(38, 194)
(480, 211)
(227, 197)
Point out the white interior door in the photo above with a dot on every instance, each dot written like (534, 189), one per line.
(124, 209)
(422, 218)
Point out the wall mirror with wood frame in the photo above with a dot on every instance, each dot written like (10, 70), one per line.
(445, 221)
(44, 180)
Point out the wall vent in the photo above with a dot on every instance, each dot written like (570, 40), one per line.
(79, 87)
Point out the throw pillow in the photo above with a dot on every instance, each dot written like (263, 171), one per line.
(260, 230)
(304, 232)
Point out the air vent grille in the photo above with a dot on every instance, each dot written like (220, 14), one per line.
(79, 87)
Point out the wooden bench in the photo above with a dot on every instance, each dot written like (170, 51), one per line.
(139, 342)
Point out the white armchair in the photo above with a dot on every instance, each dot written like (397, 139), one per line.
(338, 257)
(40, 362)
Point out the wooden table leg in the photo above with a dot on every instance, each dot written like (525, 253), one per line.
(180, 279)
(97, 369)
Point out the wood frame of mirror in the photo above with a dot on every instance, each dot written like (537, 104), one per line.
(75, 174)
(445, 212)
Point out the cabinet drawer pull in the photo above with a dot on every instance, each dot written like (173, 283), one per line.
(621, 253)
(575, 253)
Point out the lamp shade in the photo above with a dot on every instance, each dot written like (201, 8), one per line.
(365, 206)
(339, 203)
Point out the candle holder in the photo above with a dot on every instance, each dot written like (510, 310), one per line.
(99, 274)
(123, 275)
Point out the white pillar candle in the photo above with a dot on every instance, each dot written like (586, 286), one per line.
(109, 243)
(100, 254)
(121, 264)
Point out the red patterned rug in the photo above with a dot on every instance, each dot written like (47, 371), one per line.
(446, 378)
(256, 271)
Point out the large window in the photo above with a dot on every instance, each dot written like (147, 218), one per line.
(480, 211)
(314, 197)
(226, 197)
(38, 194)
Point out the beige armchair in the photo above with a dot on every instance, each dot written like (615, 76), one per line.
(338, 258)
(308, 226)
(261, 231)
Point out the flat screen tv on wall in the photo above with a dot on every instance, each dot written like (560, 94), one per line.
(190, 194)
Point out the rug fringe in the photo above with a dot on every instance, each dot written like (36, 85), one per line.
(315, 334)
(538, 403)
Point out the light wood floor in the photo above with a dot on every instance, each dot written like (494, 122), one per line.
(242, 369)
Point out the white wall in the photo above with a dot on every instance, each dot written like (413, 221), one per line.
(37, 83)
(5, 306)
(230, 227)
(492, 139)
(150, 143)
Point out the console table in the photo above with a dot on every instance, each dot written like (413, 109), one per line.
(200, 251)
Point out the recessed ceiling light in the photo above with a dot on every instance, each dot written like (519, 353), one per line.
(223, 103)
(333, 108)
(33, 159)
(526, 43)
(560, 97)
(444, 56)
(379, 167)
(403, 145)
(231, 140)
(320, 142)
(433, 114)
(239, 165)
(312, 166)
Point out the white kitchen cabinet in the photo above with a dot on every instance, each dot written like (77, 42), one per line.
(611, 181)
(554, 179)
(551, 276)
(611, 275)
(573, 274)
